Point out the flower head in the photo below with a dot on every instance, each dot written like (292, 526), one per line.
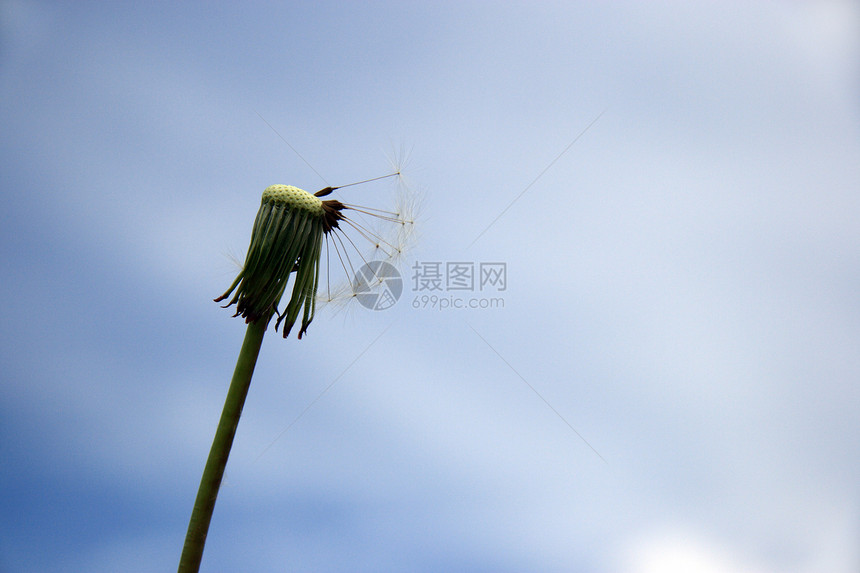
(287, 237)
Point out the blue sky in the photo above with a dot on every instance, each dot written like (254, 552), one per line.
(681, 287)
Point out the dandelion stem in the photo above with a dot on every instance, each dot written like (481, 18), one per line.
(204, 504)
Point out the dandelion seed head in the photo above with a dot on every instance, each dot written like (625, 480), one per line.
(285, 240)
(291, 227)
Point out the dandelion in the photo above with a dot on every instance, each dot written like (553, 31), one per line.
(286, 241)
(286, 238)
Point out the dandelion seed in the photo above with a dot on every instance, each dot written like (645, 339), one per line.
(386, 236)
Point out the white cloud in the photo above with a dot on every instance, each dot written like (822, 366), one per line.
(680, 550)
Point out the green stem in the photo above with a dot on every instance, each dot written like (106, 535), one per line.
(198, 527)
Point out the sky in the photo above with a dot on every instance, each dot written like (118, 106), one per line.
(667, 379)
